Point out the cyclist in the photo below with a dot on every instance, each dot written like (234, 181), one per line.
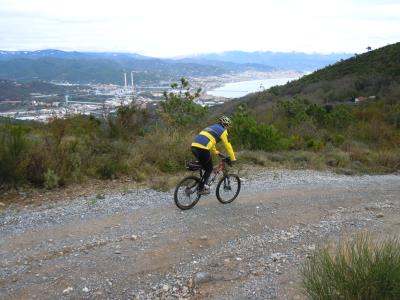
(204, 143)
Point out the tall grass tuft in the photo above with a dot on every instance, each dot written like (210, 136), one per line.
(358, 269)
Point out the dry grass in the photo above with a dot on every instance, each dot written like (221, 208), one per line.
(357, 269)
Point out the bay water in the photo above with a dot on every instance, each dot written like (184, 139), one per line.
(241, 88)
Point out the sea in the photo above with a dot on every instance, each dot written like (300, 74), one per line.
(242, 88)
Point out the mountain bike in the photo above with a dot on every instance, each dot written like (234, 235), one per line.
(186, 193)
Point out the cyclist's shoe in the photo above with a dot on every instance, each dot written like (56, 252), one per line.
(205, 190)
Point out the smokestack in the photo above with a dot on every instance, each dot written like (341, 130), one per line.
(126, 85)
(133, 88)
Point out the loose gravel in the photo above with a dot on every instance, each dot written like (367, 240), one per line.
(137, 245)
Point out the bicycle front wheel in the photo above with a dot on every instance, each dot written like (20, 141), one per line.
(228, 188)
(186, 193)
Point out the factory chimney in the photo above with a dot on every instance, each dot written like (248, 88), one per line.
(133, 88)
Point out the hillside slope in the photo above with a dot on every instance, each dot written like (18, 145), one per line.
(11, 90)
(375, 73)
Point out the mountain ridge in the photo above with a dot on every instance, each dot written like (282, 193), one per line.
(8, 55)
(107, 67)
(298, 61)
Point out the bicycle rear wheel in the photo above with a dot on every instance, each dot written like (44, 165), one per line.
(228, 188)
(186, 193)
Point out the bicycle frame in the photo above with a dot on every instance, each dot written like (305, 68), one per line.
(190, 185)
(221, 167)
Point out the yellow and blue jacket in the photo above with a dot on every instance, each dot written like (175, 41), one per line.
(210, 136)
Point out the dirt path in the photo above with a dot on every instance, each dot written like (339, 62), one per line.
(249, 249)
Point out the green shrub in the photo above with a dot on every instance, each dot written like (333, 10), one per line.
(107, 170)
(359, 269)
(36, 164)
(376, 133)
(389, 159)
(315, 144)
(179, 110)
(51, 180)
(67, 157)
(79, 125)
(296, 142)
(393, 115)
(299, 110)
(294, 111)
(337, 139)
(129, 122)
(337, 158)
(166, 150)
(256, 136)
(13, 146)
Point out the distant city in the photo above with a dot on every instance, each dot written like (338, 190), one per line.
(45, 84)
(102, 99)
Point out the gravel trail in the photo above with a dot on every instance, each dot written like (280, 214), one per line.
(138, 245)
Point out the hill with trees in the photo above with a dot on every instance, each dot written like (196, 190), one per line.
(99, 70)
(316, 120)
(374, 73)
(11, 90)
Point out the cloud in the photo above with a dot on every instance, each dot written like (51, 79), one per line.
(174, 27)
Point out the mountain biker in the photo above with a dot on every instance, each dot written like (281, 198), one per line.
(204, 143)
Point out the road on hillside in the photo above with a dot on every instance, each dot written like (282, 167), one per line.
(138, 245)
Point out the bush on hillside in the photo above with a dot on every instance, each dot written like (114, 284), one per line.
(393, 116)
(129, 122)
(294, 111)
(13, 145)
(299, 110)
(255, 136)
(165, 150)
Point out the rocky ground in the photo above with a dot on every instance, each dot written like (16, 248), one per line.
(137, 244)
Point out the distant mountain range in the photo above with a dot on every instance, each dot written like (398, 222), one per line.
(297, 61)
(89, 67)
(8, 55)
(108, 67)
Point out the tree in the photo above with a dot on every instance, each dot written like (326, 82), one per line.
(179, 108)
(128, 123)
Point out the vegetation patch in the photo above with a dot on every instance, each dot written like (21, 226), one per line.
(358, 269)
(309, 123)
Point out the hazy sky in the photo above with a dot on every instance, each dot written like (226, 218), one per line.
(176, 27)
